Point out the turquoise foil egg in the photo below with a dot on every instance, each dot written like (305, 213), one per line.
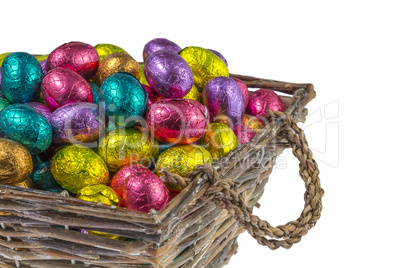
(21, 123)
(21, 77)
(125, 100)
(44, 180)
(95, 92)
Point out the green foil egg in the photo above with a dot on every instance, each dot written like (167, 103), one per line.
(4, 103)
(75, 167)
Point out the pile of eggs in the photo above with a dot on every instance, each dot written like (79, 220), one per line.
(96, 123)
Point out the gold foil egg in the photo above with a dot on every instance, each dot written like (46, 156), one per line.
(219, 140)
(26, 184)
(99, 193)
(127, 146)
(15, 162)
(106, 49)
(252, 122)
(75, 167)
(182, 159)
(118, 62)
(194, 94)
(204, 64)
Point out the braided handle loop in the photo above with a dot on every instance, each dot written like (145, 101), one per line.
(225, 194)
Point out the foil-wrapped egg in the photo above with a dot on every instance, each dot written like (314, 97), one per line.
(144, 191)
(178, 121)
(244, 90)
(79, 57)
(41, 108)
(194, 94)
(159, 44)
(224, 99)
(152, 96)
(107, 49)
(217, 53)
(244, 134)
(62, 86)
(182, 159)
(204, 64)
(95, 92)
(99, 193)
(43, 66)
(21, 123)
(219, 140)
(125, 99)
(143, 79)
(117, 182)
(21, 77)
(75, 167)
(26, 183)
(168, 74)
(127, 146)
(15, 162)
(43, 179)
(41, 58)
(1, 90)
(252, 122)
(3, 56)
(118, 62)
(76, 123)
(264, 100)
(4, 103)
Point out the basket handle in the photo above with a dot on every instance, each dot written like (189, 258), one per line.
(224, 194)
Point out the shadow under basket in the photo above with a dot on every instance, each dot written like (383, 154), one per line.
(198, 228)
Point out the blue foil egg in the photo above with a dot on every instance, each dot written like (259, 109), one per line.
(21, 77)
(44, 180)
(21, 123)
(125, 100)
(95, 92)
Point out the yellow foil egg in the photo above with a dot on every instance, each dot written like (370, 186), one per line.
(41, 57)
(252, 122)
(219, 140)
(204, 64)
(118, 62)
(182, 159)
(143, 79)
(106, 49)
(15, 162)
(127, 146)
(75, 167)
(3, 56)
(194, 94)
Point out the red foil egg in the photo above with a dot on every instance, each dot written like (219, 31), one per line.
(244, 134)
(178, 121)
(76, 56)
(62, 86)
(144, 191)
(264, 100)
(244, 90)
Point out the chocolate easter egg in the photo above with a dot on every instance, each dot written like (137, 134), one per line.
(159, 44)
(43, 179)
(3, 103)
(41, 108)
(217, 53)
(219, 140)
(107, 49)
(244, 134)
(264, 100)
(95, 92)
(99, 193)
(79, 57)
(252, 122)
(118, 62)
(244, 90)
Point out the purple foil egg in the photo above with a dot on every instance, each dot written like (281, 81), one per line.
(219, 56)
(159, 44)
(224, 99)
(264, 100)
(41, 108)
(43, 66)
(244, 90)
(77, 123)
(168, 74)
(76, 56)
(244, 134)
(178, 121)
(63, 86)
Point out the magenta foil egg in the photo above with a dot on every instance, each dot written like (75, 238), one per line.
(159, 44)
(264, 100)
(144, 191)
(152, 96)
(41, 108)
(63, 86)
(77, 123)
(224, 99)
(178, 121)
(168, 74)
(244, 90)
(79, 57)
(244, 134)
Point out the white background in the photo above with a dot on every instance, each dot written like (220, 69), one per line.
(350, 51)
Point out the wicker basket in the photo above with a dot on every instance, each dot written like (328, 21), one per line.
(198, 228)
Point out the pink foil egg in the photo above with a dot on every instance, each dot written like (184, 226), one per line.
(62, 86)
(244, 90)
(41, 108)
(76, 56)
(152, 96)
(117, 182)
(144, 191)
(244, 134)
(264, 100)
(178, 121)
